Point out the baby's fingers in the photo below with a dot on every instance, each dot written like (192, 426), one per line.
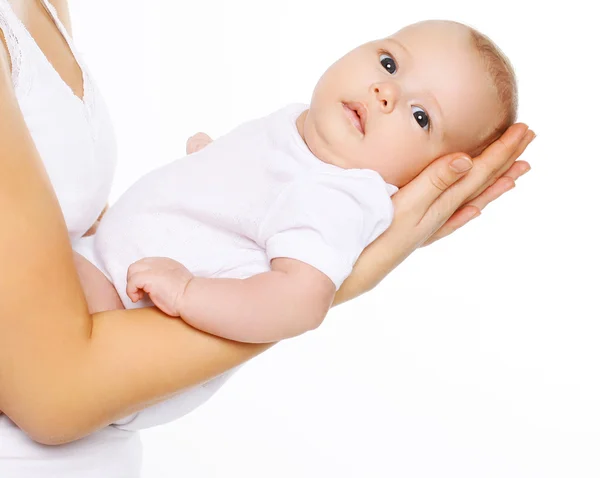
(139, 266)
(136, 285)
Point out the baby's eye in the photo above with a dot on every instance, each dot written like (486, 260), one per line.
(421, 117)
(388, 63)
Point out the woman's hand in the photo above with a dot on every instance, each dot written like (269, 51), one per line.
(436, 203)
(501, 181)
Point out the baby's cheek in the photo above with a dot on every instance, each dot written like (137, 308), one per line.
(390, 162)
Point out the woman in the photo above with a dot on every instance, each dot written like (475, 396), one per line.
(66, 375)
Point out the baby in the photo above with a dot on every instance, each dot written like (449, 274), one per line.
(250, 237)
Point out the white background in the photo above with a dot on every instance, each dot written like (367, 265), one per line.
(479, 356)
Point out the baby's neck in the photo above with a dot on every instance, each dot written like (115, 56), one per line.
(313, 143)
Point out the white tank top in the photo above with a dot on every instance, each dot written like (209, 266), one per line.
(74, 137)
(77, 145)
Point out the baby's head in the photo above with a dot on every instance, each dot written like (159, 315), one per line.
(395, 105)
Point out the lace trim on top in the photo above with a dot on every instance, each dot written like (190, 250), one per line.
(7, 18)
(14, 29)
(88, 97)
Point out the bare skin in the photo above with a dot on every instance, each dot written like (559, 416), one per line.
(99, 292)
(135, 357)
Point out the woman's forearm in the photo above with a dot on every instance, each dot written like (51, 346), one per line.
(140, 356)
(133, 359)
(376, 261)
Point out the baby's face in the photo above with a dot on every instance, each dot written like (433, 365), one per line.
(396, 104)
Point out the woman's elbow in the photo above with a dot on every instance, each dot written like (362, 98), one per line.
(49, 425)
(53, 434)
(51, 437)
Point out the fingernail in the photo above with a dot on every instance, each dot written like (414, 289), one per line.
(460, 165)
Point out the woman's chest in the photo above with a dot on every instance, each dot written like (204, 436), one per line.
(76, 143)
(64, 112)
(41, 26)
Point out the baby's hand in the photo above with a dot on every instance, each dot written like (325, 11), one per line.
(197, 142)
(163, 279)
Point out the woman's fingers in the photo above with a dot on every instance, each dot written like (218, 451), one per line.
(442, 212)
(506, 146)
(416, 197)
(433, 184)
(469, 212)
(502, 185)
(508, 166)
(474, 207)
(496, 158)
(456, 221)
(486, 167)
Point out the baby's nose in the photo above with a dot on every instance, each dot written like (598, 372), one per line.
(386, 95)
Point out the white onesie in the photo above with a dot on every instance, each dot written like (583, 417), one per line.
(252, 195)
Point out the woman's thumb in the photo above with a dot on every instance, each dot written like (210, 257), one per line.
(461, 164)
(419, 194)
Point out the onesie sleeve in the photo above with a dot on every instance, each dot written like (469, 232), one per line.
(326, 219)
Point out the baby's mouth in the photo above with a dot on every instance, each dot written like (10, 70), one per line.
(357, 114)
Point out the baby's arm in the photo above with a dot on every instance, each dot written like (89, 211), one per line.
(322, 220)
(289, 300)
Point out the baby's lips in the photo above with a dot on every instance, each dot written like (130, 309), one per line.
(362, 112)
(356, 112)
